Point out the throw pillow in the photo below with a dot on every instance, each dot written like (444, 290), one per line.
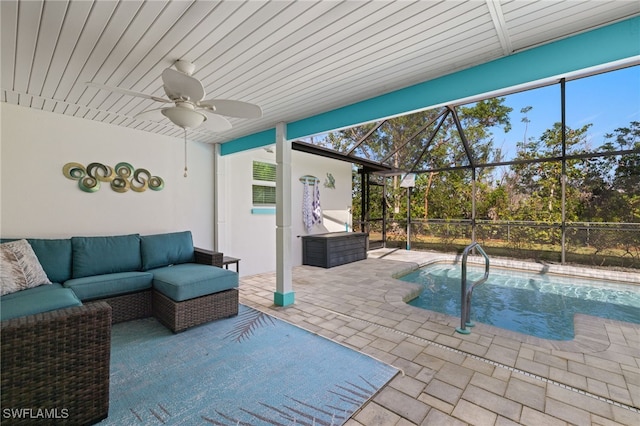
(19, 267)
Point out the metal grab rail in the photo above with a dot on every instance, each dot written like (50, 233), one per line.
(465, 295)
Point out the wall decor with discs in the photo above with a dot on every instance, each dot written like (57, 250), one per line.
(121, 178)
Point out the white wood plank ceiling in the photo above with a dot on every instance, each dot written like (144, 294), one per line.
(293, 58)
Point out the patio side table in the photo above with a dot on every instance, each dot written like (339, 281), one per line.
(228, 260)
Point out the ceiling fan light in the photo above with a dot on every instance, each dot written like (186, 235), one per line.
(185, 118)
(185, 66)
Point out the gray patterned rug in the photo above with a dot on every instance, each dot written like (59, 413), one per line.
(252, 369)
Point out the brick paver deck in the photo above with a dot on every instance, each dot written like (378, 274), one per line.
(489, 377)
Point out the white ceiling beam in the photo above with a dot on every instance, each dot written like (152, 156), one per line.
(495, 10)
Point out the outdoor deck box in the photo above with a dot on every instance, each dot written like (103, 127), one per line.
(334, 248)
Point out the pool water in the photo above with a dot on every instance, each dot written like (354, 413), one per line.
(527, 302)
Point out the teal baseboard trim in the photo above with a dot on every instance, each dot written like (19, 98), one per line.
(283, 299)
(600, 46)
(267, 211)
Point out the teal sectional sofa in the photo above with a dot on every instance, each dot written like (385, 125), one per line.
(125, 271)
(56, 337)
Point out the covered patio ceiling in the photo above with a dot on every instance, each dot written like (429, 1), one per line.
(297, 60)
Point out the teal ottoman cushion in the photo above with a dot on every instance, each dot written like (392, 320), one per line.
(105, 255)
(54, 256)
(44, 298)
(109, 285)
(191, 280)
(166, 249)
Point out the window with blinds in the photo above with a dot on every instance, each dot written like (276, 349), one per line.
(264, 184)
(264, 171)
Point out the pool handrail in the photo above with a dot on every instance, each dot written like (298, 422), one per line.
(465, 294)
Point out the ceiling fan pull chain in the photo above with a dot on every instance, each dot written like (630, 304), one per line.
(185, 152)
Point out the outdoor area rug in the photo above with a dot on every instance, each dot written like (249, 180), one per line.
(252, 369)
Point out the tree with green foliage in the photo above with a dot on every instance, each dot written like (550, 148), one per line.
(537, 186)
(433, 146)
(597, 188)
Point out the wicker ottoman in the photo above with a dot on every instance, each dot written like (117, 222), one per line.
(179, 316)
(187, 295)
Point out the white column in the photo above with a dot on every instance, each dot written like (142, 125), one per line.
(220, 201)
(284, 289)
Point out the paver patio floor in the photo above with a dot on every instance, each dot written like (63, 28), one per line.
(489, 377)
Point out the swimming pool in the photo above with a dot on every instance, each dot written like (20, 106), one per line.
(540, 305)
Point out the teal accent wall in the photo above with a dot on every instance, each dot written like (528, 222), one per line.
(600, 46)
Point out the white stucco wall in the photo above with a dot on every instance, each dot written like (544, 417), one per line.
(252, 237)
(38, 201)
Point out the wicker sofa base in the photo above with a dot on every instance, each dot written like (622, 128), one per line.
(57, 361)
(131, 306)
(178, 316)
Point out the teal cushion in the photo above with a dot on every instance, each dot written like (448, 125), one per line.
(166, 249)
(44, 298)
(105, 255)
(190, 280)
(109, 285)
(33, 290)
(54, 256)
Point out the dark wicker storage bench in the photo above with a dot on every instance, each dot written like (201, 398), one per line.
(334, 248)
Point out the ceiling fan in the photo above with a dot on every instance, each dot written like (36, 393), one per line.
(190, 109)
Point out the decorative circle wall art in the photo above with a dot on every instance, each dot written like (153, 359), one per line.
(121, 178)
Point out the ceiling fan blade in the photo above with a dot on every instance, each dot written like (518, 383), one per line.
(232, 108)
(216, 123)
(126, 92)
(178, 85)
(150, 114)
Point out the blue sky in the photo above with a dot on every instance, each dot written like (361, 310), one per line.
(608, 101)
